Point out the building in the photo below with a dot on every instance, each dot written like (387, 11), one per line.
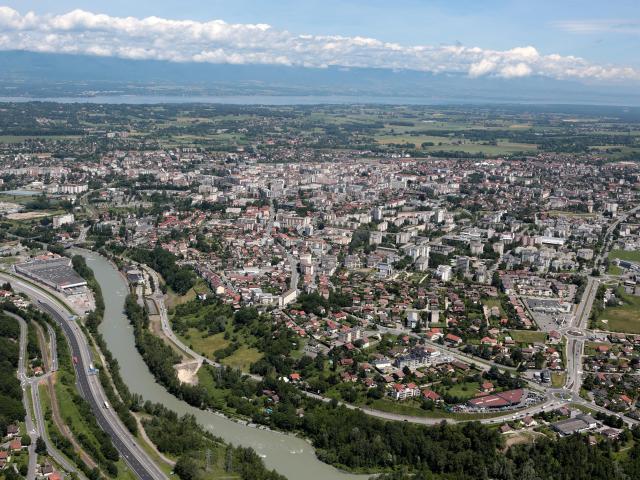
(60, 220)
(444, 272)
(509, 398)
(56, 272)
(579, 423)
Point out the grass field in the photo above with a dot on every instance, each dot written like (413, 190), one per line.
(172, 298)
(22, 138)
(202, 344)
(454, 144)
(558, 379)
(614, 270)
(412, 408)
(493, 302)
(630, 255)
(527, 336)
(242, 358)
(465, 390)
(624, 318)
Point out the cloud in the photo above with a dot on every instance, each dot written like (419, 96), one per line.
(599, 26)
(514, 71)
(216, 41)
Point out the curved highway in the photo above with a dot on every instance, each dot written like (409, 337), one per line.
(90, 388)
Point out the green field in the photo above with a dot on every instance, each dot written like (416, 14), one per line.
(491, 302)
(614, 270)
(242, 358)
(624, 318)
(558, 379)
(412, 408)
(527, 336)
(630, 255)
(454, 144)
(464, 390)
(204, 345)
(22, 138)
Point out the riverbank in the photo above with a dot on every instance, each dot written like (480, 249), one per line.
(288, 454)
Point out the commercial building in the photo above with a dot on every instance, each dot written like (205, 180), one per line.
(56, 272)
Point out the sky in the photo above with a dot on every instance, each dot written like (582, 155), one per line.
(588, 40)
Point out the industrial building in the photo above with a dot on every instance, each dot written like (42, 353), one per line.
(55, 272)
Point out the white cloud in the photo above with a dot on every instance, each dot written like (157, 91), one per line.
(514, 71)
(599, 26)
(216, 41)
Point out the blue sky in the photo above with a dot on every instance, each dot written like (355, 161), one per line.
(601, 32)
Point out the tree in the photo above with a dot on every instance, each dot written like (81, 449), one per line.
(41, 446)
(186, 468)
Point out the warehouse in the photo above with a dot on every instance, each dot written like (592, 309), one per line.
(55, 272)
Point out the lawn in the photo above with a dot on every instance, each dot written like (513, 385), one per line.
(464, 390)
(412, 408)
(173, 299)
(614, 270)
(491, 302)
(242, 358)
(630, 255)
(624, 318)
(558, 379)
(527, 336)
(202, 344)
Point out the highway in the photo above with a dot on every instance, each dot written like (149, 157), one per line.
(90, 388)
(54, 350)
(22, 376)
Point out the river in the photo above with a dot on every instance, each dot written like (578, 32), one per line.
(289, 455)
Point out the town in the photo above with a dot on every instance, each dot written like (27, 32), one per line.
(413, 264)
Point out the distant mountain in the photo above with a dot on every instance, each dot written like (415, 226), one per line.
(50, 75)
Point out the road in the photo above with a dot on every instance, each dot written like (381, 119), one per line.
(549, 403)
(90, 388)
(53, 347)
(22, 376)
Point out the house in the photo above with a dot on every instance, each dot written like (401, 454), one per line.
(487, 387)
(431, 395)
(434, 334)
(15, 445)
(506, 428)
(12, 431)
(452, 340)
(4, 458)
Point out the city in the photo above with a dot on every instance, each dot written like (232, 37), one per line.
(319, 240)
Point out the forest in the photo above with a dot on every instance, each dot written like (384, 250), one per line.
(11, 408)
(180, 279)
